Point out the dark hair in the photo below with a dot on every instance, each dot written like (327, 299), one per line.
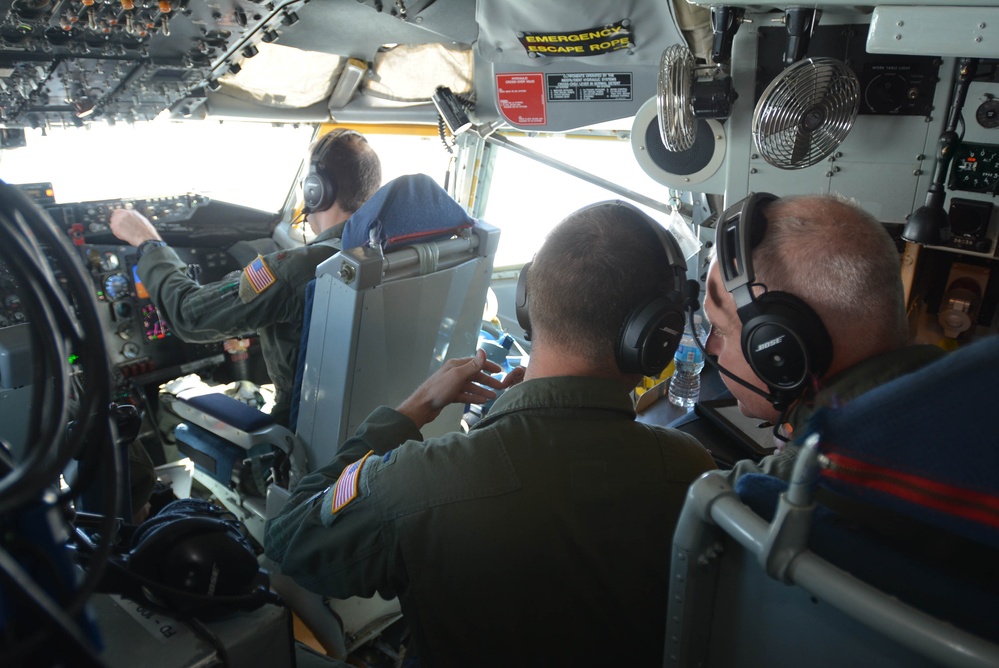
(594, 268)
(354, 166)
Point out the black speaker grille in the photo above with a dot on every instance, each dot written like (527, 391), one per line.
(681, 163)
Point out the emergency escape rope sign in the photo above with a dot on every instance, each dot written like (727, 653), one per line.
(587, 42)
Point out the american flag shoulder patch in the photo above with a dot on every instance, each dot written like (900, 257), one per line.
(259, 275)
(345, 490)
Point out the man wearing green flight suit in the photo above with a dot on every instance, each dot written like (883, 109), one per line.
(542, 536)
(268, 295)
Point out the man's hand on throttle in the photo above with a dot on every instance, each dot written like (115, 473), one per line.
(132, 227)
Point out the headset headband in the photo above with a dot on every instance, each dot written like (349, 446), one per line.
(326, 142)
(741, 228)
(783, 339)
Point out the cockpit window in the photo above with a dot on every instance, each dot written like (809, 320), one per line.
(528, 198)
(251, 164)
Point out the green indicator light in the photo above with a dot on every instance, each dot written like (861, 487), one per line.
(73, 358)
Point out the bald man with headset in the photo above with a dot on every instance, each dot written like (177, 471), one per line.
(806, 306)
(542, 536)
(268, 295)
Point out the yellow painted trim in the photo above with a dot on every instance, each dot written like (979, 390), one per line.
(408, 129)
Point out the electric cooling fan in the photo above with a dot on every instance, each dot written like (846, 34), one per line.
(677, 124)
(806, 112)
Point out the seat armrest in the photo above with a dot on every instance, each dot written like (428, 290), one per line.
(277, 497)
(242, 426)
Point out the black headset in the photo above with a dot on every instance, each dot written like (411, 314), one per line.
(194, 557)
(783, 338)
(319, 189)
(650, 334)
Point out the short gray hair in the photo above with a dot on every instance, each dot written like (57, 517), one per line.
(840, 260)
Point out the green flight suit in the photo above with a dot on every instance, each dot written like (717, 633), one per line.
(541, 537)
(844, 386)
(231, 307)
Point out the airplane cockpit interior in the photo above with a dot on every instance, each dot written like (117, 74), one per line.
(139, 458)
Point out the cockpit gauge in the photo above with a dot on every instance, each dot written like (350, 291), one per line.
(31, 9)
(987, 113)
(975, 169)
(16, 33)
(109, 261)
(130, 350)
(125, 330)
(115, 287)
(888, 92)
(12, 302)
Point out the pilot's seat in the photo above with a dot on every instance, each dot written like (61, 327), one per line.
(881, 551)
(405, 294)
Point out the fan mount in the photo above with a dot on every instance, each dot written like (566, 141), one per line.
(677, 125)
(806, 113)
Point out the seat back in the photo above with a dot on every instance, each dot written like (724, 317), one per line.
(406, 294)
(386, 315)
(888, 568)
(303, 345)
(924, 445)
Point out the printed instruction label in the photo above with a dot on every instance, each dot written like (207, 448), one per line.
(589, 86)
(521, 98)
(159, 626)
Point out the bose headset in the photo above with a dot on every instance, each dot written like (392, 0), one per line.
(651, 332)
(319, 189)
(783, 338)
(193, 557)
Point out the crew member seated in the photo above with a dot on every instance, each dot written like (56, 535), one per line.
(268, 295)
(541, 535)
(806, 306)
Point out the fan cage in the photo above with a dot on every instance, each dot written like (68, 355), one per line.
(677, 125)
(806, 113)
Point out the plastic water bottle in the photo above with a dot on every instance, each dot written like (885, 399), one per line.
(685, 385)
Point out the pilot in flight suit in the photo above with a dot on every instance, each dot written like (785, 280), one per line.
(268, 295)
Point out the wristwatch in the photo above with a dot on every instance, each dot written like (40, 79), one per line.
(148, 245)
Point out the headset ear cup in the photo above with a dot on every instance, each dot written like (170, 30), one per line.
(650, 335)
(786, 342)
(318, 193)
(319, 189)
(196, 562)
(523, 315)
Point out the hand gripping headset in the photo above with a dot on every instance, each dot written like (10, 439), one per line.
(319, 189)
(650, 334)
(783, 339)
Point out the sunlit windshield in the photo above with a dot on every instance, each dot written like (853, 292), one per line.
(253, 164)
(256, 164)
(528, 198)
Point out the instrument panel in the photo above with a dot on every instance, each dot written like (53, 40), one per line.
(141, 346)
(890, 85)
(168, 214)
(71, 61)
(139, 339)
